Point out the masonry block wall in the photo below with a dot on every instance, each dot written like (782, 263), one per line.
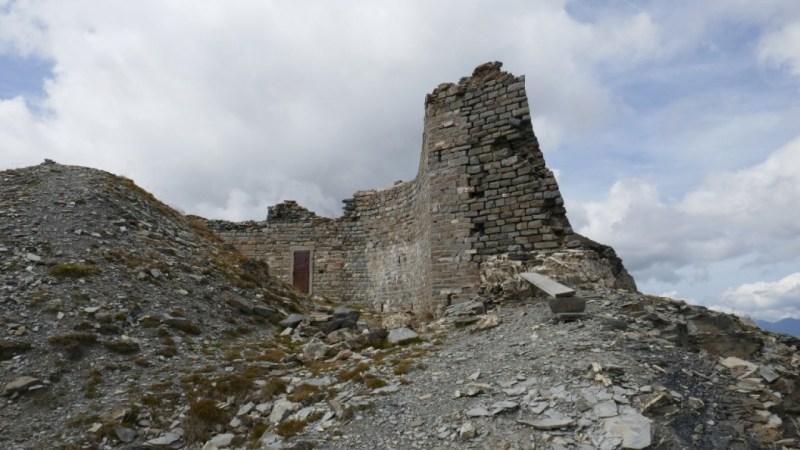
(482, 189)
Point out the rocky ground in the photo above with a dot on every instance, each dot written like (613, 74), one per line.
(105, 295)
(613, 380)
(129, 325)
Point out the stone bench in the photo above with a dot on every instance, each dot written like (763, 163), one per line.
(548, 285)
(563, 302)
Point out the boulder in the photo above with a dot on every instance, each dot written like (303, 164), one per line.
(373, 338)
(282, 409)
(219, 441)
(126, 435)
(341, 312)
(292, 321)
(488, 321)
(19, 384)
(238, 302)
(400, 335)
(265, 311)
(466, 431)
(633, 428)
(337, 336)
(314, 350)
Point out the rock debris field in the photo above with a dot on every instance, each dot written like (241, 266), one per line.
(129, 325)
(612, 381)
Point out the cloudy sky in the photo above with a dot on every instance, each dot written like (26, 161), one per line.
(674, 127)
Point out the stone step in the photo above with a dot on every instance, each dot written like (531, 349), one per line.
(550, 287)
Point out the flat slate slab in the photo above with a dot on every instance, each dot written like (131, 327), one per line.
(548, 285)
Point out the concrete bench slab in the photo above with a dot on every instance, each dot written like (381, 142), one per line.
(550, 287)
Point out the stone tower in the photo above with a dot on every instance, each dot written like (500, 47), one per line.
(482, 189)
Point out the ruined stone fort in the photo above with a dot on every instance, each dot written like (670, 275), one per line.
(482, 190)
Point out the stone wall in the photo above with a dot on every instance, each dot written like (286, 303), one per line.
(482, 189)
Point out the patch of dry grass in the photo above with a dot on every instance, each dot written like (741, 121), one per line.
(202, 418)
(122, 346)
(269, 355)
(306, 394)
(354, 374)
(73, 343)
(273, 387)
(72, 270)
(94, 380)
(289, 428)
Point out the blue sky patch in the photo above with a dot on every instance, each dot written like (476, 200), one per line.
(23, 76)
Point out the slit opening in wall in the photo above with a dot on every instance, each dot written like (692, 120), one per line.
(478, 229)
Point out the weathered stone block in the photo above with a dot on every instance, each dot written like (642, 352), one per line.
(562, 305)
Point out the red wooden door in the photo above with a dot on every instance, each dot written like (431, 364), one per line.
(301, 271)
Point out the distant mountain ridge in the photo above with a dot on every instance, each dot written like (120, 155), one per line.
(788, 325)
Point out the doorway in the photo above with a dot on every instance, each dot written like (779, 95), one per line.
(301, 270)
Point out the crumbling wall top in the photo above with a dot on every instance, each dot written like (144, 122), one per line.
(290, 211)
(480, 75)
(487, 69)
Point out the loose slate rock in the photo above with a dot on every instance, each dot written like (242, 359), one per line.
(634, 429)
(220, 440)
(292, 321)
(264, 311)
(502, 406)
(466, 431)
(19, 384)
(550, 423)
(166, 439)
(487, 322)
(478, 412)
(605, 409)
(400, 335)
(126, 435)
(282, 409)
(239, 302)
(386, 389)
(768, 373)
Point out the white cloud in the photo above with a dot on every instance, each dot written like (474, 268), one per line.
(781, 48)
(548, 132)
(198, 101)
(20, 30)
(732, 214)
(757, 199)
(628, 40)
(768, 300)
